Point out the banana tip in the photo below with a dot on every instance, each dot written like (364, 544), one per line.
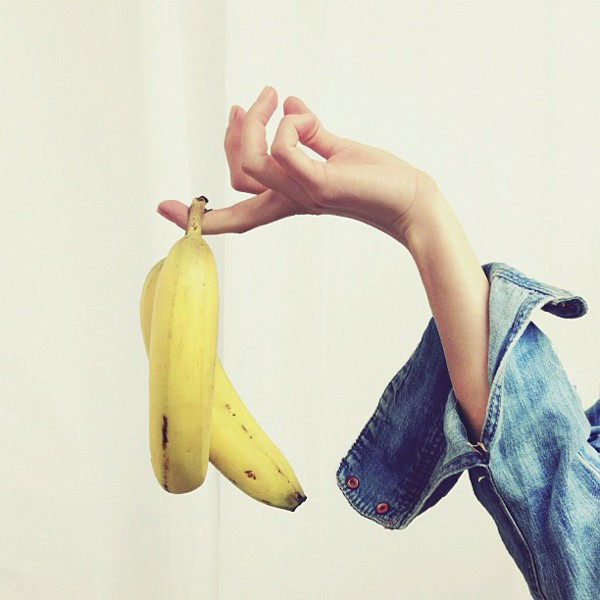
(299, 498)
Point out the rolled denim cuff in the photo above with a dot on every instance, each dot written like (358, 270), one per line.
(413, 449)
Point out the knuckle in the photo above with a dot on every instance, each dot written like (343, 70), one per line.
(239, 224)
(242, 226)
(310, 128)
(236, 182)
(278, 150)
(248, 166)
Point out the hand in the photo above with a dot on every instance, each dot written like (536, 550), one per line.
(355, 180)
(373, 186)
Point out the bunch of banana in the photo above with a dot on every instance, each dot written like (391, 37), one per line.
(238, 447)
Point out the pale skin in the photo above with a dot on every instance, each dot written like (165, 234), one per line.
(377, 188)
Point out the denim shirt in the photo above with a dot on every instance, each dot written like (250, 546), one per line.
(536, 469)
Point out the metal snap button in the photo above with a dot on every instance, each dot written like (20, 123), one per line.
(352, 482)
(382, 508)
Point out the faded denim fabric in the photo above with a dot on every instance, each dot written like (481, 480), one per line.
(536, 469)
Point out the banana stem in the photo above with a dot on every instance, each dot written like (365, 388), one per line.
(197, 209)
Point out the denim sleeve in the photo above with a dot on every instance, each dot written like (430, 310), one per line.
(536, 469)
(414, 447)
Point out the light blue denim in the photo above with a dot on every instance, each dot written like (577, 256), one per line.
(536, 469)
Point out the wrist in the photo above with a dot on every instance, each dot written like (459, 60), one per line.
(431, 219)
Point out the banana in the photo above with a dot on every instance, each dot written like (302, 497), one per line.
(182, 353)
(239, 448)
(244, 454)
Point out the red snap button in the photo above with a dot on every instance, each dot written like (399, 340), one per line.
(352, 482)
(382, 508)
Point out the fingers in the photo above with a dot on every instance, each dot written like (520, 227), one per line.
(233, 143)
(253, 169)
(248, 214)
(285, 150)
(314, 135)
(255, 160)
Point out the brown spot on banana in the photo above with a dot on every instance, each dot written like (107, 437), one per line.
(165, 429)
(250, 474)
(165, 441)
(165, 471)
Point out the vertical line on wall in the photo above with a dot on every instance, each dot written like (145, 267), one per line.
(203, 58)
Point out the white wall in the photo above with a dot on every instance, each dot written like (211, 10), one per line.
(97, 119)
(108, 108)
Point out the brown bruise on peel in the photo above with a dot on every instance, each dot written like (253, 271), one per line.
(250, 474)
(165, 441)
(165, 471)
(165, 429)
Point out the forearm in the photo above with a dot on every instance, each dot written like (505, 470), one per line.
(458, 291)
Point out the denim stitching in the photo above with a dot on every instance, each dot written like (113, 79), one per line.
(533, 572)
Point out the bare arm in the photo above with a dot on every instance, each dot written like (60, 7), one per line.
(373, 186)
(458, 292)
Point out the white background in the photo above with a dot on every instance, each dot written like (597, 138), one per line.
(107, 108)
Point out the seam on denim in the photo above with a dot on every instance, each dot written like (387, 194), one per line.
(595, 471)
(534, 575)
(493, 414)
(521, 320)
(514, 276)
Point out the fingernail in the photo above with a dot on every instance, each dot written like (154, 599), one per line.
(232, 114)
(265, 90)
